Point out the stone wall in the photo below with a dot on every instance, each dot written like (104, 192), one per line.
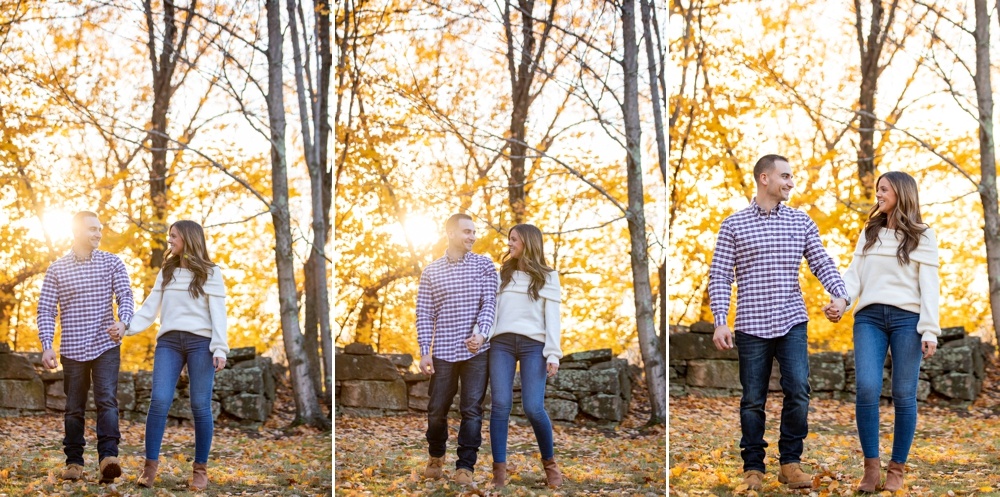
(244, 391)
(954, 374)
(592, 387)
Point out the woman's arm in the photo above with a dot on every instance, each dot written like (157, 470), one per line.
(150, 309)
(216, 292)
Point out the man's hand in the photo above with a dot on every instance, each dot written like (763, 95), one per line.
(116, 331)
(474, 342)
(929, 349)
(427, 364)
(835, 309)
(723, 338)
(49, 359)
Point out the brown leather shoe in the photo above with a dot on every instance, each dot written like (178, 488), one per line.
(792, 475)
(553, 477)
(433, 469)
(754, 480)
(110, 469)
(199, 476)
(72, 472)
(463, 477)
(894, 476)
(872, 477)
(499, 474)
(148, 473)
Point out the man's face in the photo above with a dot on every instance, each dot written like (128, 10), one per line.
(779, 182)
(88, 233)
(463, 235)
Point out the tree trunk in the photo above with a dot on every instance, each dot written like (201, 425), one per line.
(987, 159)
(654, 92)
(307, 406)
(322, 14)
(871, 51)
(653, 361)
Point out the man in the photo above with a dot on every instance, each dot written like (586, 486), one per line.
(763, 245)
(81, 284)
(456, 303)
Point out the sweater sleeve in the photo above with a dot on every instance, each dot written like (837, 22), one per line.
(927, 259)
(216, 293)
(852, 277)
(553, 349)
(146, 314)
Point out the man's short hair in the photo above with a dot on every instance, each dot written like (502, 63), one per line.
(765, 164)
(452, 221)
(80, 216)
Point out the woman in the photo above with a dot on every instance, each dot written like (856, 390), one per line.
(894, 278)
(526, 331)
(189, 295)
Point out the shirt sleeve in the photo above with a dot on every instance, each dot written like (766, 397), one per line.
(150, 308)
(219, 345)
(821, 264)
(425, 313)
(47, 309)
(122, 287)
(721, 274)
(487, 298)
(553, 349)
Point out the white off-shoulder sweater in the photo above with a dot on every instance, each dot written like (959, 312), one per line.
(204, 316)
(877, 277)
(538, 319)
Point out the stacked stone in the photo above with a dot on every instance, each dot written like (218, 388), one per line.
(368, 384)
(954, 374)
(244, 391)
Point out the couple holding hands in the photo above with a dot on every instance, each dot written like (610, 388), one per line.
(892, 282)
(472, 329)
(189, 298)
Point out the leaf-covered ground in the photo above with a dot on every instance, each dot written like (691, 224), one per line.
(955, 450)
(273, 461)
(386, 456)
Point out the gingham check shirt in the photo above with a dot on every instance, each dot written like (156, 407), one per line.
(453, 299)
(82, 291)
(765, 250)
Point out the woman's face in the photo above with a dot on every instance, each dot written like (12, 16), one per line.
(175, 243)
(515, 244)
(885, 196)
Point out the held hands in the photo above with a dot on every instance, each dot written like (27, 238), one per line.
(723, 338)
(835, 309)
(116, 332)
(474, 342)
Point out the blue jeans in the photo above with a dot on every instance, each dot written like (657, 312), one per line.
(173, 350)
(755, 356)
(877, 328)
(77, 378)
(444, 384)
(506, 351)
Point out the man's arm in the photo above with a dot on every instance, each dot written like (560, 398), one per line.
(487, 299)
(425, 314)
(721, 275)
(822, 265)
(122, 287)
(48, 304)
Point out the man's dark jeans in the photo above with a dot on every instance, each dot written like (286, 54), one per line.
(102, 372)
(474, 374)
(756, 355)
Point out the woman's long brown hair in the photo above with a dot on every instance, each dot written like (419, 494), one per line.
(905, 216)
(194, 252)
(533, 259)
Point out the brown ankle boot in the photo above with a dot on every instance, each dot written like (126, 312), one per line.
(199, 476)
(553, 477)
(870, 481)
(894, 476)
(499, 474)
(148, 473)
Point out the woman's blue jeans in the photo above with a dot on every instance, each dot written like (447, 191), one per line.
(173, 350)
(878, 328)
(506, 350)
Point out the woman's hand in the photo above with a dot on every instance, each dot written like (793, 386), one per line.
(551, 368)
(219, 362)
(929, 348)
